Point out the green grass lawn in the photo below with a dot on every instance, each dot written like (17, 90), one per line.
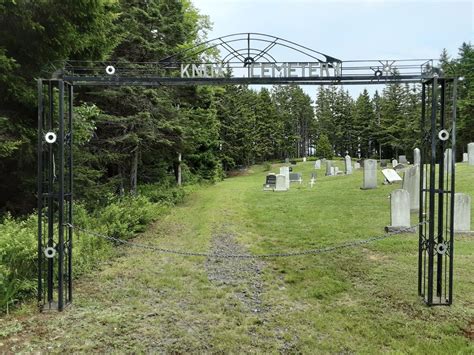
(358, 300)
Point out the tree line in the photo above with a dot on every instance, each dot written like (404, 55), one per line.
(125, 136)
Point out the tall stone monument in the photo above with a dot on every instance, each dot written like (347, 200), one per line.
(285, 170)
(411, 183)
(348, 165)
(470, 153)
(370, 174)
(329, 171)
(416, 156)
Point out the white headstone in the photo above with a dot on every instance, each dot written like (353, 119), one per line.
(462, 212)
(348, 164)
(402, 159)
(336, 170)
(470, 153)
(304, 159)
(399, 210)
(356, 165)
(329, 168)
(411, 183)
(465, 158)
(370, 174)
(391, 176)
(281, 183)
(317, 164)
(285, 170)
(416, 156)
(448, 160)
(394, 163)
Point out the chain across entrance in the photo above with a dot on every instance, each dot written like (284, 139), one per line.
(251, 256)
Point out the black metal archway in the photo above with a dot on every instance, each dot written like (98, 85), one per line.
(244, 58)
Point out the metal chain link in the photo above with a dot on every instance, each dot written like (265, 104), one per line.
(250, 256)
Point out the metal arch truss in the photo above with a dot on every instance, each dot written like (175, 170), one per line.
(437, 183)
(246, 58)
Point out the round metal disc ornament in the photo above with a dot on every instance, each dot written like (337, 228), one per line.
(378, 73)
(110, 69)
(441, 248)
(443, 135)
(50, 137)
(50, 252)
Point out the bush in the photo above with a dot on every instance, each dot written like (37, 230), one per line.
(121, 218)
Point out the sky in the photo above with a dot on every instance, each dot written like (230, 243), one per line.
(350, 29)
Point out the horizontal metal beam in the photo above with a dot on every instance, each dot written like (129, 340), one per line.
(159, 81)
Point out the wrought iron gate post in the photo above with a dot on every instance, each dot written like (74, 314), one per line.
(55, 194)
(437, 173)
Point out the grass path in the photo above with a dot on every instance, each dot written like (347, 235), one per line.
(361, 300)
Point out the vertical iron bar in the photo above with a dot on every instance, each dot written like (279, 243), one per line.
(453, 174)
(420, 213)
(432, 191)
(40, 190)
(71, 164)
(50, 273)
(61, 199)
(441, 178)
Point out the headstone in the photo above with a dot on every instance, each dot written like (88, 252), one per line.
(402, 159)
(448, 160)
(317, 164)
(356, 165)
(416, 156)
(470, 153)
(383, 163)
(287, 160)
(394, 163)
(285, 170)
(270, 182)
(296, 177)
(280, 183)
(465, 158)
(304, 159)
(399, 211)
(328, 167)
(333, 171)
(336, 170)
(370, 174)
(391, 176)
(348, 165)
(462, 213)
(411, 183)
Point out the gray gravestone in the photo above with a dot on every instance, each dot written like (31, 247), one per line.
(317, 164)
(287, 160)
(411, 183)
(465, 158)
(370, 174)
(285, 170)
(416, 156)
(470, 153)
(336, 170)
(296, 177)
(348, 164)
(356, 165)
(329, 168)
(270, 182)
(462, 213)
(391, 176)
(448, 160)
(399, 211)
(304, 159)
(394, 163)
(402, 159)
(280, 183)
